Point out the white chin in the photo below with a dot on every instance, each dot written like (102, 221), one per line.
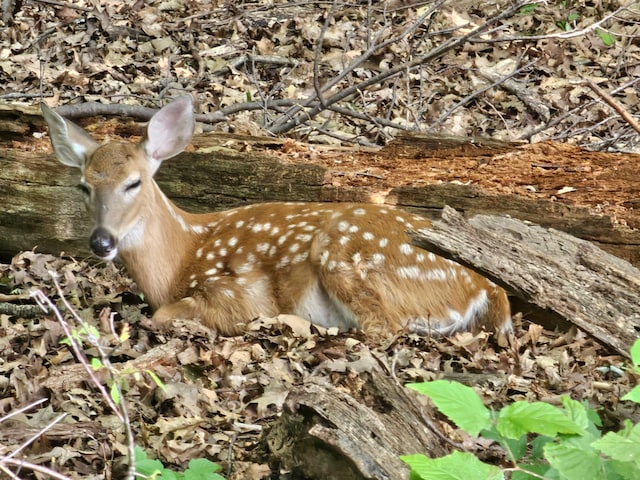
(112, 255)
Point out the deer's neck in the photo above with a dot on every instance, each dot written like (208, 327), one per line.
(157, 249)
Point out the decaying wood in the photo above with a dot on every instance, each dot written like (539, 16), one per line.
(590, 288)
(325, 433)
(42, 206)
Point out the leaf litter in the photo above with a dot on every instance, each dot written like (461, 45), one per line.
(221, 393)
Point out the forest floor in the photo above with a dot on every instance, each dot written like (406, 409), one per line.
(256, 63)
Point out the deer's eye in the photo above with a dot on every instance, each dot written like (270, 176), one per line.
(84, 189)
(132, 186)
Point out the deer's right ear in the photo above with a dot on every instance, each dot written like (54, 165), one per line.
(71, 144)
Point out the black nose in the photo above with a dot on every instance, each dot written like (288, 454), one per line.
(102, 242)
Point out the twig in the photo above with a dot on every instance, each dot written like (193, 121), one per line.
(292, 118)
(574, 110)
(26, 408)
(468, 98)
(35, 437)
(120, 409)
(65, 4)
(561, 36)
(615, 105)
(394, 71)
(34, 467)
(21, 311)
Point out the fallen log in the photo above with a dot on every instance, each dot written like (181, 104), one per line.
(41, 206)
(326, 433)
(588, 287)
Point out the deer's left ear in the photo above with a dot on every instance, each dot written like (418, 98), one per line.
(170, 130)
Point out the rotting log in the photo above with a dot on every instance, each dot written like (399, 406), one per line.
(42, 206)
(325, 433)
(582, 283)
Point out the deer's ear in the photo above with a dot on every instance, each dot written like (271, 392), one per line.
(170, 130)
(71, 144)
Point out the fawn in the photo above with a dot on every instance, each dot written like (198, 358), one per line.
(337, 265)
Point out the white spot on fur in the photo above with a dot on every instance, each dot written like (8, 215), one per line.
(368, 236)
(275, 231)
(344, 240)
(199, 252)
(283, 262)
(211, 271)
(301, 257)
(343, 226)
(409, 273)
(383, 242)
(239, 223)
(377, 258)
(359, 211)
(406, 249)
(211, 256)
(353, 229)
(262, 247)
(324, 256)
(233, 241)
(294, 247)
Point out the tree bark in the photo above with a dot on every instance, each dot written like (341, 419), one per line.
(590, 288)
(325, 433)
(43, 208)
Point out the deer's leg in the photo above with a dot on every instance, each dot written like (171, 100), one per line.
(225, 304)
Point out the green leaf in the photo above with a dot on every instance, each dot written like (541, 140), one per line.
(622, 470)
(537, 446)
(635, 353)
(620, 447)
(156, 380)
(523, 417)
(146, 467)
(575, 460)
(516, 448)
(96, 364)
(527, 9)
(607, 38)
(575, 411)
(530, 470)
(115, 394)
(461, 404)
(633, 395)
(202, 469)
(457, 466)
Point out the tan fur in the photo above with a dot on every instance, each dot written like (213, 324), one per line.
(343, 265)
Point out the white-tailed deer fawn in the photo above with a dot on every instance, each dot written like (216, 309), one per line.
(338, 265)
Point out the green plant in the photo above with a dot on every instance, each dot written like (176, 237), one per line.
(79, 336)
(198, 469)
(541, 441)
